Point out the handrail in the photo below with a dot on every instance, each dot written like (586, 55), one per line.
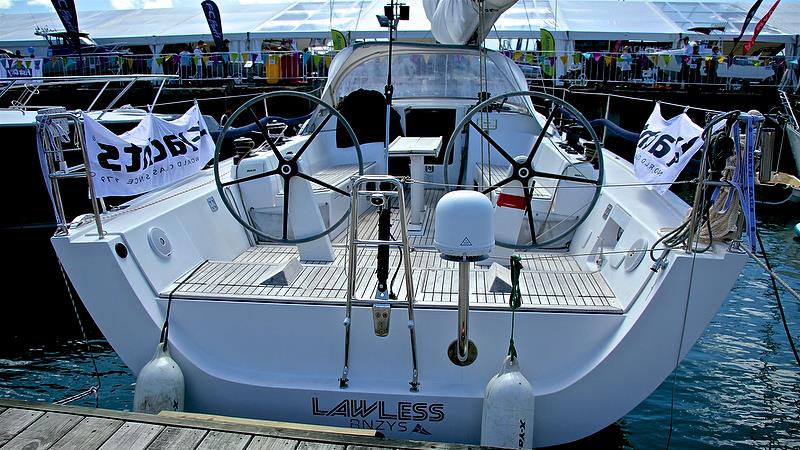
(55, 173)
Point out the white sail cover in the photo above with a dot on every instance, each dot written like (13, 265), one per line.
(455, 21)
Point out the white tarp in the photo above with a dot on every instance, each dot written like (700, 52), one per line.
(664, 149)
(455, 21)
(155, 153)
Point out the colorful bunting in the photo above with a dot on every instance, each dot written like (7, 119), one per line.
(609, 59)
(667, 58)
(564, 59)
(597, 56)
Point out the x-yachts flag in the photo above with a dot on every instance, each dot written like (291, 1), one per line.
(69, 17)
(746, 22)
(214, 22)
(664, 149)
(759, 26)
(155, 153)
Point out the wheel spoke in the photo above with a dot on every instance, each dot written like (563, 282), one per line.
(495, 186)
(493, 143)
(565, 178)
(286, 184)
(313, 135)
(265, 132)
(528, 195)
(251, 178)
(541, 135)
(322, 183)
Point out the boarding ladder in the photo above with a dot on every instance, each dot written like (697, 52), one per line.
(381, 307)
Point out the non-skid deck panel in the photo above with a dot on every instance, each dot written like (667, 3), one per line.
(548, 282)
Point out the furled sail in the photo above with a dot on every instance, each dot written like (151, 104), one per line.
(458, 21)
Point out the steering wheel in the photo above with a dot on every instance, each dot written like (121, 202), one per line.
(288, 165)
(523, 170)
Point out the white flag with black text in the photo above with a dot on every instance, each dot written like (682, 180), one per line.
(664, 149)
(155, 153)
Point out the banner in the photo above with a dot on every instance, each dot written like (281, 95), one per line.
(339, 42)
(20, 68)
(747, 20)
(214, 22)
(759, 26)
(69, 17)
(664, 149)
(548, 47)
(153, 154)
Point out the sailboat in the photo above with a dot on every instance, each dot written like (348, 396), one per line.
(273, 277)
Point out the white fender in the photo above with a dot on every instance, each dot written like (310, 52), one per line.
(507, 420)
(159, 386)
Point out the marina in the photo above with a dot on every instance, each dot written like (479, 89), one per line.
(262, 255)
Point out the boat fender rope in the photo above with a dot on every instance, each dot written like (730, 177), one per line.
(165, 328)
(515, 300)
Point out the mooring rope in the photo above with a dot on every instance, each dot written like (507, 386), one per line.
(94, 389)
(776, 279)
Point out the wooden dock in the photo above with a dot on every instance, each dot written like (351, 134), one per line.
(29, 426)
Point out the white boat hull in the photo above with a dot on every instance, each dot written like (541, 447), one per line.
(278, 359)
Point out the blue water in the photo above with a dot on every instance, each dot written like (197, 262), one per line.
(739, 386)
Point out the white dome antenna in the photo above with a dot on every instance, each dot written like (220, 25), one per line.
(464, 233)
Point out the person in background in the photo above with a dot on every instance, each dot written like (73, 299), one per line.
(186, 63)
(686, 57)
(31, 52)
(18, 54)
(198, 54)
(225, 57)
(624, 63)
(713, 64)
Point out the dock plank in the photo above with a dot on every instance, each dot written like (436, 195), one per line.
(132, 436)
(219, 440)
(44, 432)
(364, 447)
(306, 445)
(177, 438)
(13, 421)
(271, 443)
(137, 431)
(89, 434)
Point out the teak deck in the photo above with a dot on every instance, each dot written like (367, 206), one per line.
(25, 425)
(549, 281)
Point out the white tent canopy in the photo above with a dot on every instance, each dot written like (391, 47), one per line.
(246, 25)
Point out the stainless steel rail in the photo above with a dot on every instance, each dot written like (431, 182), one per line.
(403, 244)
